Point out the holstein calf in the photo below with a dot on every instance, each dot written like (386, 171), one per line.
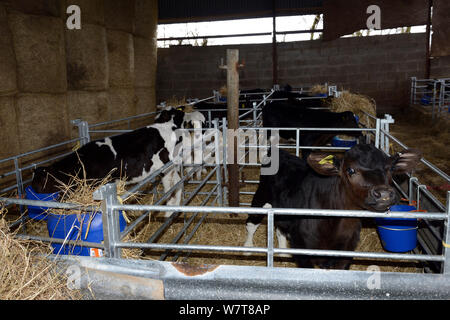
(135, 155)
(361, 180)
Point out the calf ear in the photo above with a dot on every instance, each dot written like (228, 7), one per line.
(323, 163)
(406, 161)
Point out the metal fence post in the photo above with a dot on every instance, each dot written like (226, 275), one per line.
(270, 233)
(224, 160)
(385, 126)
(111, 228)
(446, 240)
(377, 133)
(83, 131)
(218, 168)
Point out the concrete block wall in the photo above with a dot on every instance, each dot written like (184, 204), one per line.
(377, 66)
(50, 75)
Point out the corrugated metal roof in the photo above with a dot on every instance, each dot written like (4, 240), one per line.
(176, 11)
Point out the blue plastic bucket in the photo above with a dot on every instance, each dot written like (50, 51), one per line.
(39, 213)
(69, 226)
(338, 142)
(398, 234)
(426, 99)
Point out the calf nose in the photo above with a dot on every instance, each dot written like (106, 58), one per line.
(382, 193)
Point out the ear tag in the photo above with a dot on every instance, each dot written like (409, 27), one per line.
(180, 109)
(327, 159)
(76, 146)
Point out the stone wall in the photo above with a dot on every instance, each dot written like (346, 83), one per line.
(377, 66)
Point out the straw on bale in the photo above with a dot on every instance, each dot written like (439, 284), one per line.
(9, 131)
(144, 62)
(319, 89)
(121, 59)
(146, 18)
(91, 106)
(26, 273)
(38, 7)
(87, 58)
(356, 103)
(42, 120)
(8, 77)
(40, 53)
(121, 103)
(119, 15)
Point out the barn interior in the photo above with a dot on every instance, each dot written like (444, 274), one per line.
(81, 70)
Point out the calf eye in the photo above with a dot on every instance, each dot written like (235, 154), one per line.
(351, 171)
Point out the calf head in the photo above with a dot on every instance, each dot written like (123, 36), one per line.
(365, 173)
(176, 115)
(181, 116)
(44, 180)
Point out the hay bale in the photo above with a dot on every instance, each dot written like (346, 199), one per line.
(89, 106)
(9, 138)
(26, 272)
(38, 7)
(119, 15)
(42, 120)
(121, 59)
(87, 58)
(9, 130)
(319, 89)
(122, 103)
(146, 18)
(146, 101)
(8, 77)
(145, 59)
(356, 103)
(40, 53)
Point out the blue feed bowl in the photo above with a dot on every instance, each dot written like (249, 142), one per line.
(425, 100)
(338, 142)
(39, 213)
(323, 95)
(398, 234)
(85, 227)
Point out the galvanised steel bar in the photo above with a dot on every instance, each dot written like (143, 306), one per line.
(61, 241)
(446, 240)
(308, 252)
(124, 119)
(423, 160)
(285, 211)
(40, 150)
(187, 225)
(194, 230)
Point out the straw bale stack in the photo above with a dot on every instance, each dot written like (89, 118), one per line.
(42, 120)
(8, 78)
(121, 59)
(84, 72)
(119, 15)
(40, 54)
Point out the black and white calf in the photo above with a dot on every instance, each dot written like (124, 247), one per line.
(134, 155)
(361, 180)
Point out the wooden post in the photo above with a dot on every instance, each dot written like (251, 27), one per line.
(427, 47)
(233, 123)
